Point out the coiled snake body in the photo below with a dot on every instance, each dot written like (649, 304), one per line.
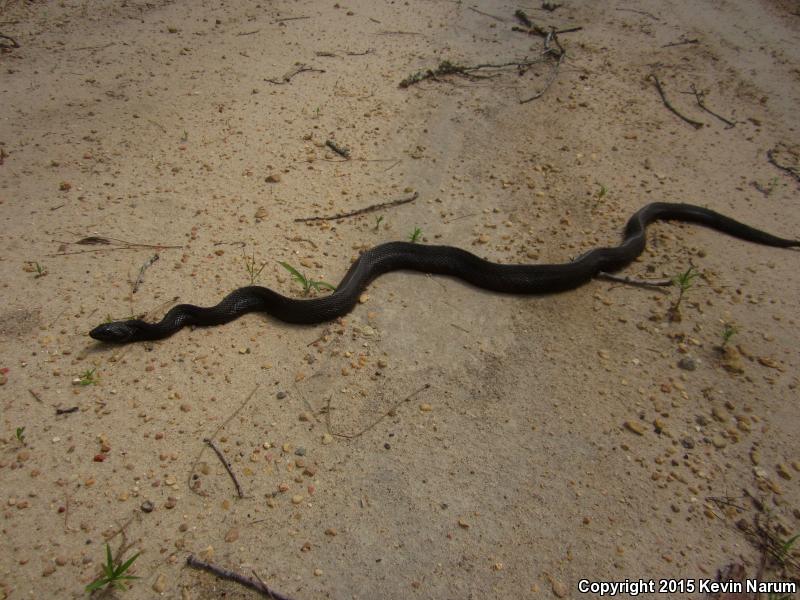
(441, 260)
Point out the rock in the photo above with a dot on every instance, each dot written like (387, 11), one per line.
(687, 363)
(425, 407)
(171, 502)
(273, 178)
(718, 442)
(635, 427)
(147, 506)
(160, 583)
(559, 589)
(297, 499)
(232, 535)
(300, 451)
(783, 471)
(327, 438)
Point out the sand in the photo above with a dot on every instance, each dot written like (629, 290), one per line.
(440, 441)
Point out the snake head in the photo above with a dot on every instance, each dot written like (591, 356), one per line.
(117, 332)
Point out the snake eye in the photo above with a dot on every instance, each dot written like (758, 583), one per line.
(118, 332)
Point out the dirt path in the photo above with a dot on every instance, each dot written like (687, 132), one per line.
(441, 441)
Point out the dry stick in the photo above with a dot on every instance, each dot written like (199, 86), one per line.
(447, 68)
(698, 95)
(371, 425)
(216, 431)
(553, 75)
(681, 43)
(639, 12)
(296, 71)
(361, 211)
(66, 411)
(658, 283)
(695, 124)
(246, 581)
(142, 269)
(35, 395)
(249, 32)
(289, 19)
(367, 51)
(480, 12)
(399, 33)
(14, 43)
(226, 464)
(791, 171)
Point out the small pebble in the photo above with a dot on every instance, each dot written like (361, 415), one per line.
(297, 499)
(783, 471)
(327, 438)
(635, 427)
(687, 363)
(300, 451)
(232, 535)
(147, 506)
(425, 407)
(171, 502)
(280, 395)
(160, 583)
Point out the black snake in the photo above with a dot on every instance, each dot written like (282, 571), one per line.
(441, 260)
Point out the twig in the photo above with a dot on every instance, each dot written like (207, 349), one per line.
(367, 51)
(448, 68)
(249, 32)
(361, 211)
(639, 12)
(341, 151)
(371, 425)
(216, 431)
(681, 43)
(790, 170)
(253, 584)
(226, 464)
(13, 44)
(283, 20)
(698, 95)
(636, 282)
(695, 124)
(551, 79)
(296, 71)
(35, 395)
(399, 33)
(142, 269)
(480, 12)
(66, 411)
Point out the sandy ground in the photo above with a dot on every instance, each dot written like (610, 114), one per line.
(559, 438)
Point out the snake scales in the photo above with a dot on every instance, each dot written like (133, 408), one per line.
(441, 260)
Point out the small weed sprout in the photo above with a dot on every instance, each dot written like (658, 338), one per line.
(684, 281)
(250, 265)
(33, 266)
(20, 433)
(308, 284)
(88, 377)
(185, 137)
(602, 192)
(378, 221)
(727, 333)
(113, 574)
(784, 550)
(415, 235)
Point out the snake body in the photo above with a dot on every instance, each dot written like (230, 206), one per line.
(440, 260)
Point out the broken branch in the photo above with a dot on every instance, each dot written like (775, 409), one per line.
(253, 584)
(693, 123)
(361, 211)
